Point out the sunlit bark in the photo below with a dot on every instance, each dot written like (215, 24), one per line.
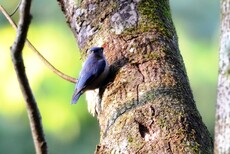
(222, 128)
(147, 106)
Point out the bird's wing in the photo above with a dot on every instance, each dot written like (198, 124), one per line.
(90, 71)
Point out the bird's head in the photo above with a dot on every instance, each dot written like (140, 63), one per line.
(96, 51)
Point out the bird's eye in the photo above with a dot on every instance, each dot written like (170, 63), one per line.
(89, 52)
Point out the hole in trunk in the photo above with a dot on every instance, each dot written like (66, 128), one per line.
(143, 130)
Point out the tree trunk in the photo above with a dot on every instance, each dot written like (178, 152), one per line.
(222, 128)
(148, 106)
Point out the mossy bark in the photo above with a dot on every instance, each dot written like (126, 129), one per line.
(147, 106)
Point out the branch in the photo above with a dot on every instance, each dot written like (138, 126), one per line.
(16, 9)
(16, 54)
(49, 65)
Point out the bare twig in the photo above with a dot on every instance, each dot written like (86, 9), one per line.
(15, 10)
(16, 53)
(49, 65)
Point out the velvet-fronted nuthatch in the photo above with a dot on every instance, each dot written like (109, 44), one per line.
(93, 73)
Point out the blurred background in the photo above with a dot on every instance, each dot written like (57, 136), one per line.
(70, 128)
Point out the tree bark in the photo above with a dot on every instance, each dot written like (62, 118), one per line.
(148, 106)
(222, 128)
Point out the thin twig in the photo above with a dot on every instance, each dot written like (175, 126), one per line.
(16, 53)
(15, 10)
(47, 63)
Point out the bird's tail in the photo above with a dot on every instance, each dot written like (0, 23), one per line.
(76, 96)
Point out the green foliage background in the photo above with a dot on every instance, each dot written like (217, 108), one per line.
(69, 128)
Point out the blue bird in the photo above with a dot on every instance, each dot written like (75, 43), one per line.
(93, 73)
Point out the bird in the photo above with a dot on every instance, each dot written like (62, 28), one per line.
(93, 73)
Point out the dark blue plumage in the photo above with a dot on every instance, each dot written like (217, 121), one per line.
(94, 71)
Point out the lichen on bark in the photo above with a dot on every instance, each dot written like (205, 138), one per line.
(222, 127)
(147, 106)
